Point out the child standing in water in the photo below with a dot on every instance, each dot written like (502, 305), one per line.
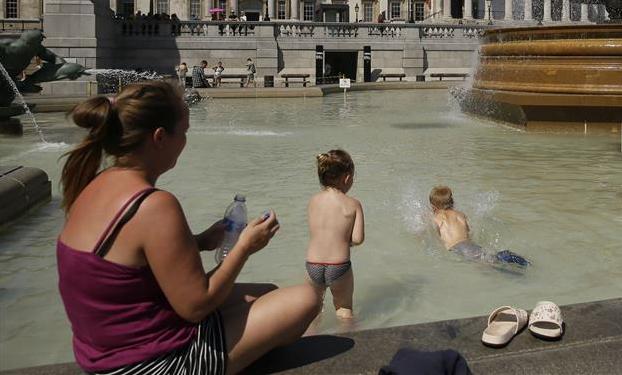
(453, 228)
(335, 223)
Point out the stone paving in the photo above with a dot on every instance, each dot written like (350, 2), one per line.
(592, 344)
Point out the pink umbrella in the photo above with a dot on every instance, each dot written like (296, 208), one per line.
(216, 10)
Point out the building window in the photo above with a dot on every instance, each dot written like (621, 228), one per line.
(368, 11)
(162, 6)
(280, 14)
(10, 11)
(222, 4)
(419, 6)
(396, 10)
(195, 9)
(308, 11)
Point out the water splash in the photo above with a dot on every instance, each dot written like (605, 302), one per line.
(112, 80)
(19, 96)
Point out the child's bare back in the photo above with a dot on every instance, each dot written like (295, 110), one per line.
(332, 217)
(335, 223)
(452, 225)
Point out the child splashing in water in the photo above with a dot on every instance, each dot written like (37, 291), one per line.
(453, 228)
(335, 223)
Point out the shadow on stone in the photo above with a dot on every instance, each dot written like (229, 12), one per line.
(301, 353)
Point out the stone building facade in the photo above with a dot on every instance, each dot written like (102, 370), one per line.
(342, 10)
(21, 9)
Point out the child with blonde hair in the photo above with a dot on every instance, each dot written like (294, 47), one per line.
(453, 228)
(335, 223)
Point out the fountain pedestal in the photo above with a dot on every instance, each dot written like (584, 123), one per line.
(562, 78)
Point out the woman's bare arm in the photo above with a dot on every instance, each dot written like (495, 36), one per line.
(173, 256)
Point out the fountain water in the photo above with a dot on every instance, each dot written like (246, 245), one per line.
(112, 80)
(16, 110)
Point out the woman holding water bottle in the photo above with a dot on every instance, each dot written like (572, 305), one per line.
(130, 273)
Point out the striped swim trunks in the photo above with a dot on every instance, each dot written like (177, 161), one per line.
(324, 274)
(207, 354)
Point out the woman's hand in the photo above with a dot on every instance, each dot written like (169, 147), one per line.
(258, 233)
(212, 236)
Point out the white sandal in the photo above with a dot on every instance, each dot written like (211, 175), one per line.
(546, 320)
(503, 323)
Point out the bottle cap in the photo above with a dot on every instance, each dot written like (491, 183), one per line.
(239, 198)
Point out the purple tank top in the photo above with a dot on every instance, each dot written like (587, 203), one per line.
(118, 314)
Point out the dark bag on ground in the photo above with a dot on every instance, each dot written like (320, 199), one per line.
(414, 362)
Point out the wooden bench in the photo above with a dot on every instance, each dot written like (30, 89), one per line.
(440, 76)
(241, 77)
(327, 80)
(294, 76)
(384, 76)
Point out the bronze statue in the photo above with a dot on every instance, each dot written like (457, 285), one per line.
(16, 55)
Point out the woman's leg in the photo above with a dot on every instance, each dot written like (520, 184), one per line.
(274, 319)
(342, 290)
(247, 292)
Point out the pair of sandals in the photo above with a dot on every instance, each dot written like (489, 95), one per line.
(505, 322)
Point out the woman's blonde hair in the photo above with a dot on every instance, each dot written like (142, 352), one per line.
(332, 165)
(117, 126)
(441, 198)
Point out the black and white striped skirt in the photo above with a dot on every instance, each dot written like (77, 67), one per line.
(207, 354)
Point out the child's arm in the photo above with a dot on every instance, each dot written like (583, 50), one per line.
(358, 231)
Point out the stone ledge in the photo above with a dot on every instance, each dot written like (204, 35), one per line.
(591, 345)
(22, 189)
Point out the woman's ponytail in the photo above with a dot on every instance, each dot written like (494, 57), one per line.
(83, 162)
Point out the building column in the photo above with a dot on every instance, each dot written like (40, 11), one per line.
(180, 8)
(488, 10)
(447, 9)
(271, 9)
(566, 11)
(142, 5)
(584, 13)
(234, 8)
(546, 17)
(602, 12)
(437, 8)
(295, 5)
(528, 12)
(468, 10)
(508, 10)
(207, 5)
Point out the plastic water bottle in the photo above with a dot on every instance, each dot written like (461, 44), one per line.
(235, 221)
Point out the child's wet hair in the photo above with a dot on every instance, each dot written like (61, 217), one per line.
(441, 198)
(333, 165)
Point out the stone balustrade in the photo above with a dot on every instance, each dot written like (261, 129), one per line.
(315, 30)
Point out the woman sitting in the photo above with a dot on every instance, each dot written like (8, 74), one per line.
(130, 273)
